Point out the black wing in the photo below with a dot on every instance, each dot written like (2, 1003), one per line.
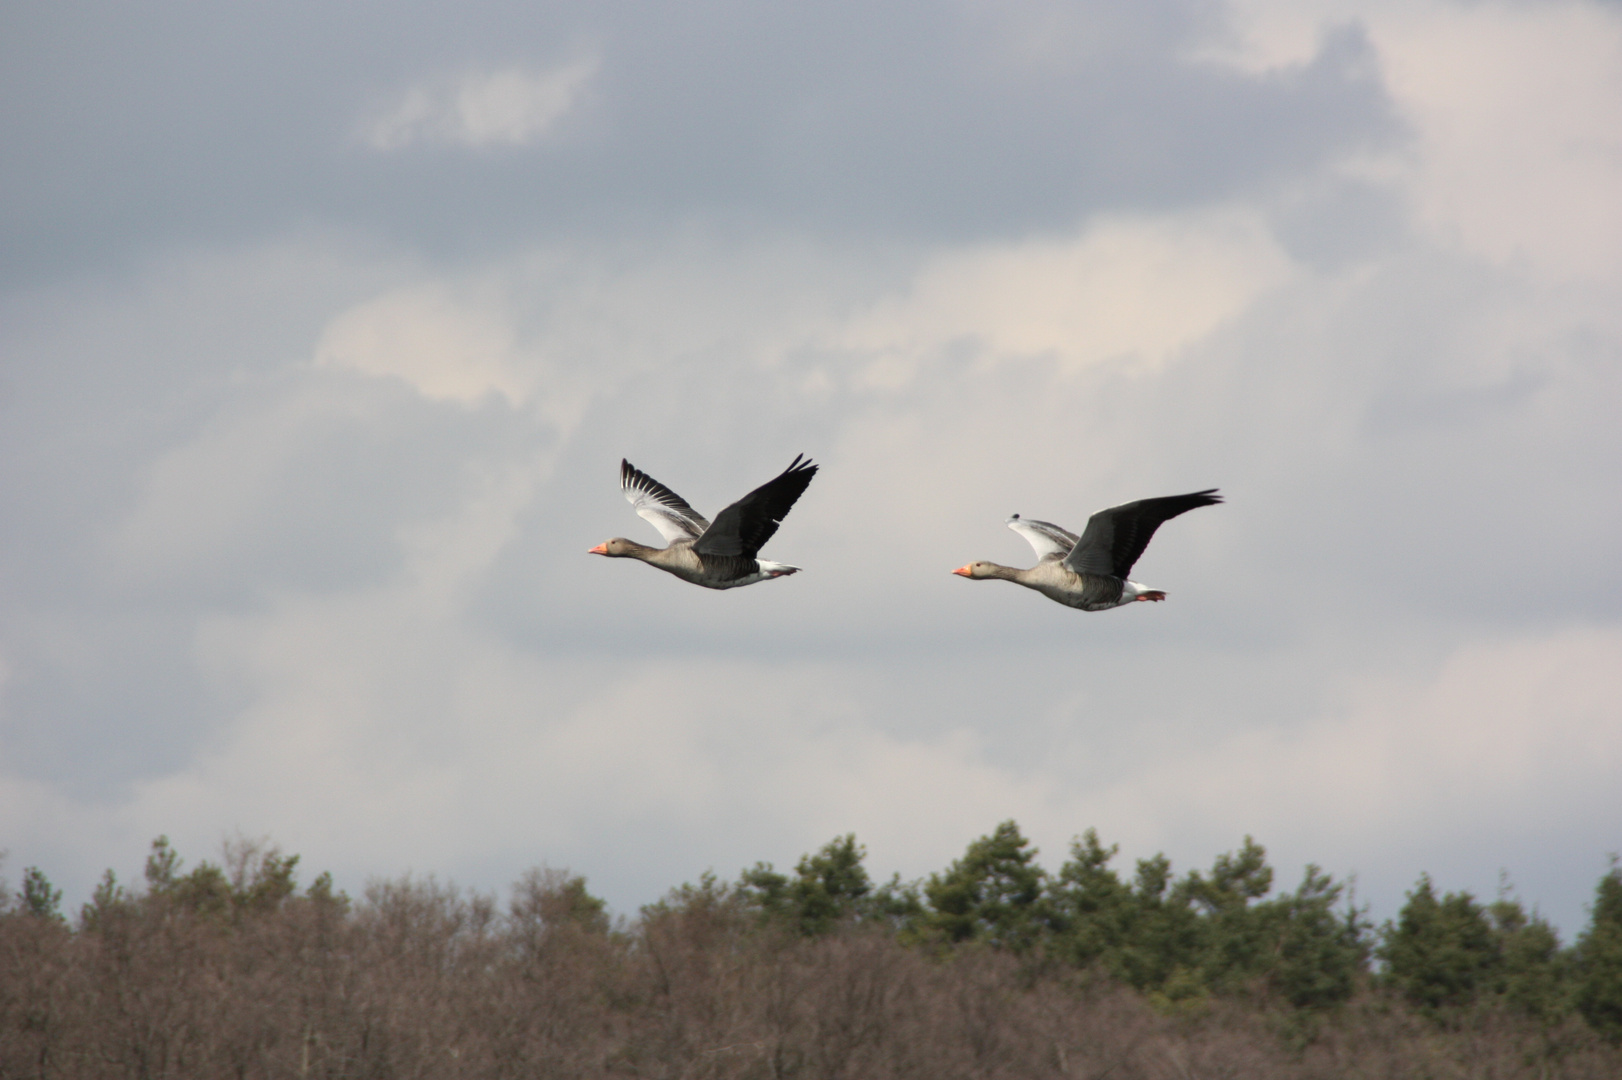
(744, 527)
(1115, 538)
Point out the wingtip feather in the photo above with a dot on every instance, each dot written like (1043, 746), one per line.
(801, 464)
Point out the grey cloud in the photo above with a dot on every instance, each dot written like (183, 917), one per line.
(106, 685)
(101, 697)
(1332, 223)
(170, 124)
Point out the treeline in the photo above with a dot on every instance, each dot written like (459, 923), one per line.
(992, 967)
(1218, 933)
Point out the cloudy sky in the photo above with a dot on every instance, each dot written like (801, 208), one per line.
(323, 329)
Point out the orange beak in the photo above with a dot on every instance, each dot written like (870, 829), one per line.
(600, 549)
(963, 571)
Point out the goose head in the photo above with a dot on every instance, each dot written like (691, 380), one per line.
(617, 548)
(979, 570)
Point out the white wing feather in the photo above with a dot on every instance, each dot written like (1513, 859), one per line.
(659, 506)
(1047, 539)
(671, 523)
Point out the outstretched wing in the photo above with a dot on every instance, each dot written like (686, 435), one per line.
(667, 511)
(744, 527)
(1115, 538)
(1049, 541)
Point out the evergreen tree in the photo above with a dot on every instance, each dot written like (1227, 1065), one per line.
(38, 897)
(1314, 955)
(1236, 935)
(897, 905)
(1441, 953)
(1160, 948)
(1092, 907)
(205, 891)
(828, 888)
(1532, 971)
(1208, 932)
(109, 902)
(549, 907)
(831, 886)
(764, 889)
(994, 893)
(1599, 960)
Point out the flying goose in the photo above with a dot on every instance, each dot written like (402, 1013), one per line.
(718, 556)
(1089, 571)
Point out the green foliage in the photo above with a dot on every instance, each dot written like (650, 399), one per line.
(832, 886)
(1236, 936)
(38, 898)
(162, 865)
(1221, 932)
(1314, 953)
(708, 898)
(765, 889)
(1599, 960)
(552, 905)
(1441, 954)
(1532, 969)
(106, 904)
(897, 905)
(996, 893)
(1093, 910)
(1236, 879)
(322, 895)
(256, 880)
(204, 891)
(1163, 936)
(1209, 932)
(828, 889)
(577, 907)
(259, 879)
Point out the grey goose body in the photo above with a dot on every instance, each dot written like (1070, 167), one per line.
(719, 555)
(1091, 571)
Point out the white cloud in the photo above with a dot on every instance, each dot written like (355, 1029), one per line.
(449, 345)
(1476, 744)
(1519, 112)
(1126, 289)
(512, 107)
(1516, 110)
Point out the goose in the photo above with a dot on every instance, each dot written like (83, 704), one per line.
(718, 556)
(1089, 571)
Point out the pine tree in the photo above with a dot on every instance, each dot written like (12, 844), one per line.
(828, 888)
(1441, 953)
(1092, 906)
(1236, 933)
(1599, 960)
(995, 893)
(1162, 943)
(831, 886)
(1314, 954)
(38, 896)
(1533, 976)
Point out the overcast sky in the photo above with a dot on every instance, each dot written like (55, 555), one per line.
(323, 329)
